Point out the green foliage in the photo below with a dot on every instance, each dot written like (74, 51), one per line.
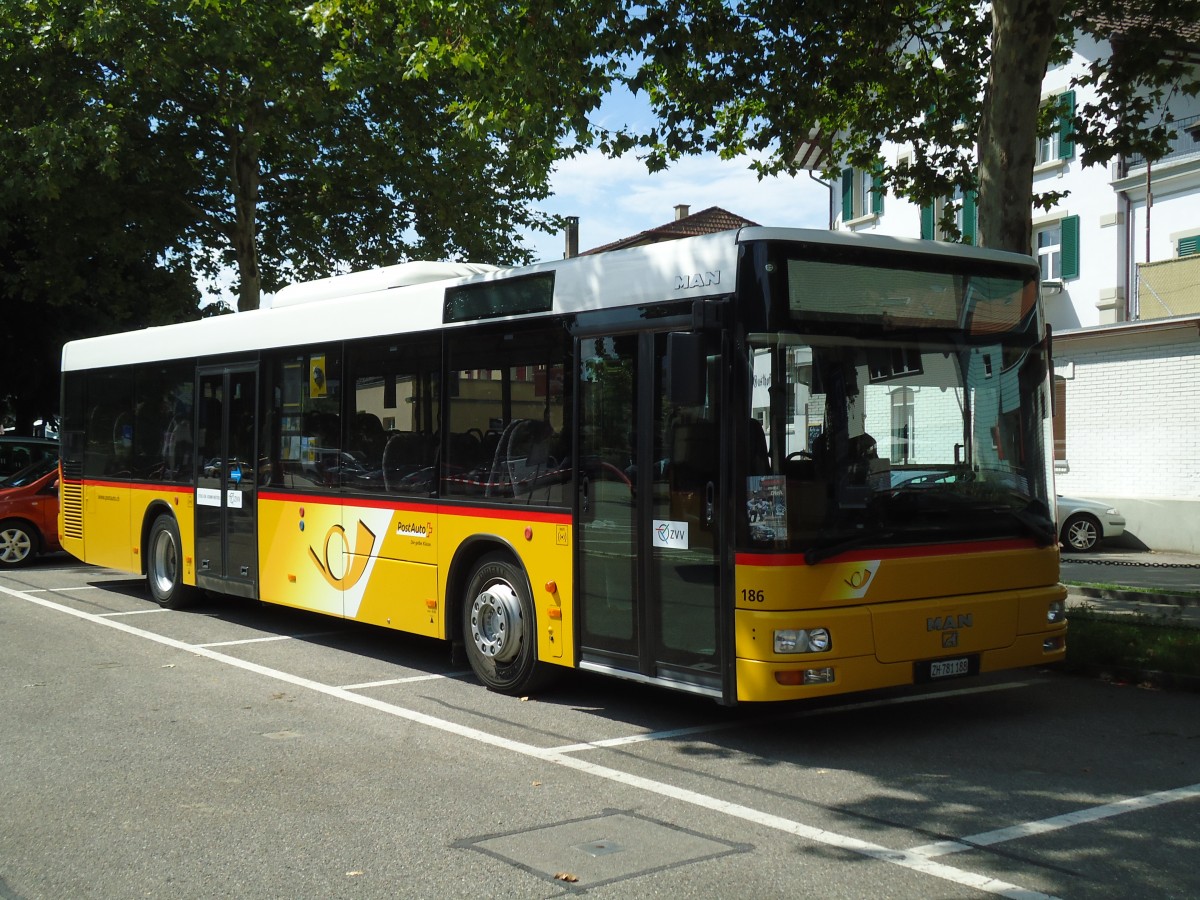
(959, 81)
(1121, 643)
(150, 144)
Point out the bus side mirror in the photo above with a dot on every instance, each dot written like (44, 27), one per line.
(687, 359)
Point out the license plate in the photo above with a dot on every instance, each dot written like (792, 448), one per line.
(949, 668)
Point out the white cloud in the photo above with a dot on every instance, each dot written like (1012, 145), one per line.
(616, 198)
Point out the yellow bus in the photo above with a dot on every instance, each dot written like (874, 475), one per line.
(766, 464)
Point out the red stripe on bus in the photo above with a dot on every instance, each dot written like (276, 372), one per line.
(133, 485)
(444, 509)
(797, 559)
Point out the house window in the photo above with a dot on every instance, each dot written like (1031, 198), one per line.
(1049, 250)
(902, 425)
(966, 218)
(1047, 148)
(862, 192)
(1059, 143)
(1056, 245)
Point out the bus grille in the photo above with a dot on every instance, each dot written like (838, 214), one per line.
(71, 501)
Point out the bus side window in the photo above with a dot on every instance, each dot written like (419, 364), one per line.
(507, 413)
(390, 444)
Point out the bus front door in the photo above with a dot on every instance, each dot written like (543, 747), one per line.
(650, 509)
(226, 481)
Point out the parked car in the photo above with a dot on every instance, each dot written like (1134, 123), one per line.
(29, 513)
(1082, 524)
(18, 451)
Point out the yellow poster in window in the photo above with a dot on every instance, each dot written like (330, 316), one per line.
(316, 376)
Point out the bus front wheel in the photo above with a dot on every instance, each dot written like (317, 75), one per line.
(499, 627)
(164, 574)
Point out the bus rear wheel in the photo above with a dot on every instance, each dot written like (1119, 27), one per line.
(164, 574)
(500, 628)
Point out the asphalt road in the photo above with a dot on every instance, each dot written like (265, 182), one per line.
(240, 751)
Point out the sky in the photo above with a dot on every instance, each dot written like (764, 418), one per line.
(617, 198)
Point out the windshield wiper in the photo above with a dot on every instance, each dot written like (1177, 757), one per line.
(814, 555)
(1035, 525)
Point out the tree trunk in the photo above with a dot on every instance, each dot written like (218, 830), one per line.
(1022, 35)
(243, 147)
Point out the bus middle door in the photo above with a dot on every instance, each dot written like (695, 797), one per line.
(650, 508)
(226, 480)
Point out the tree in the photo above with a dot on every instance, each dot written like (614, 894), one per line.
(303, 138)
(958, 80)
(87, 243)
(149, 144)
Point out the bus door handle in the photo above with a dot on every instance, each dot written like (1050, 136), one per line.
(710, 493)
(587, 487)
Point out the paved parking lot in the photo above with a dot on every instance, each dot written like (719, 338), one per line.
(240, 750)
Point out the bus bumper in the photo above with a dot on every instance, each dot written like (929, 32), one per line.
(891, 645)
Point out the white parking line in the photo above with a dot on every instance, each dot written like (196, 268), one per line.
(86, 587)
(133, 612)
(906, 859)
(267, 640)
(784, 717)
(409, 680)
(1066, 820)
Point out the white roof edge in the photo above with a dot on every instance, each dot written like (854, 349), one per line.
(881, 242)
(368, 281)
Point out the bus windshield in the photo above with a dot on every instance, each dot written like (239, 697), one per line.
(896, 408)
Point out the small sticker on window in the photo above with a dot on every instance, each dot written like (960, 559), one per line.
(669, 535)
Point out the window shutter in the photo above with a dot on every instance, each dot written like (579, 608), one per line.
(847, 194)
(1070, 247)
(1188, 246)
(927, 222)
(877, 188)
(970, 218)
(1066, 126)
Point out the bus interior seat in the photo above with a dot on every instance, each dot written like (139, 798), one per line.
(405, 453)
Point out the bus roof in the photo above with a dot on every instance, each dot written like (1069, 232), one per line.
(367, 304)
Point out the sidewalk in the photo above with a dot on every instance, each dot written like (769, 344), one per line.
(1159, 585)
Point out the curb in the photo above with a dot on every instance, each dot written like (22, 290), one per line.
(1142, 678)
(1130, 595)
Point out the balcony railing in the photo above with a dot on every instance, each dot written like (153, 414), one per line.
(1167, 288)
(1185, 142)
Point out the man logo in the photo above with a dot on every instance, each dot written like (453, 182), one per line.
(949, 623)
(697, 280)
(359, 555)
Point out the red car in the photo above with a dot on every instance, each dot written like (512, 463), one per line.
(29, 513)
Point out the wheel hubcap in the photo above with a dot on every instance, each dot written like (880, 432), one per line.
(14, 545)
(1083, 535)
(164, 561)
(496, 622)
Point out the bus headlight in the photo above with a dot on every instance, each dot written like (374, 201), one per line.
(802, 640)
(1056, 612)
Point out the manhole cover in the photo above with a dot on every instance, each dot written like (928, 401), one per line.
(612, 846)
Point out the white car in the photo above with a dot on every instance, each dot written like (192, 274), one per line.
(1083, 523)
